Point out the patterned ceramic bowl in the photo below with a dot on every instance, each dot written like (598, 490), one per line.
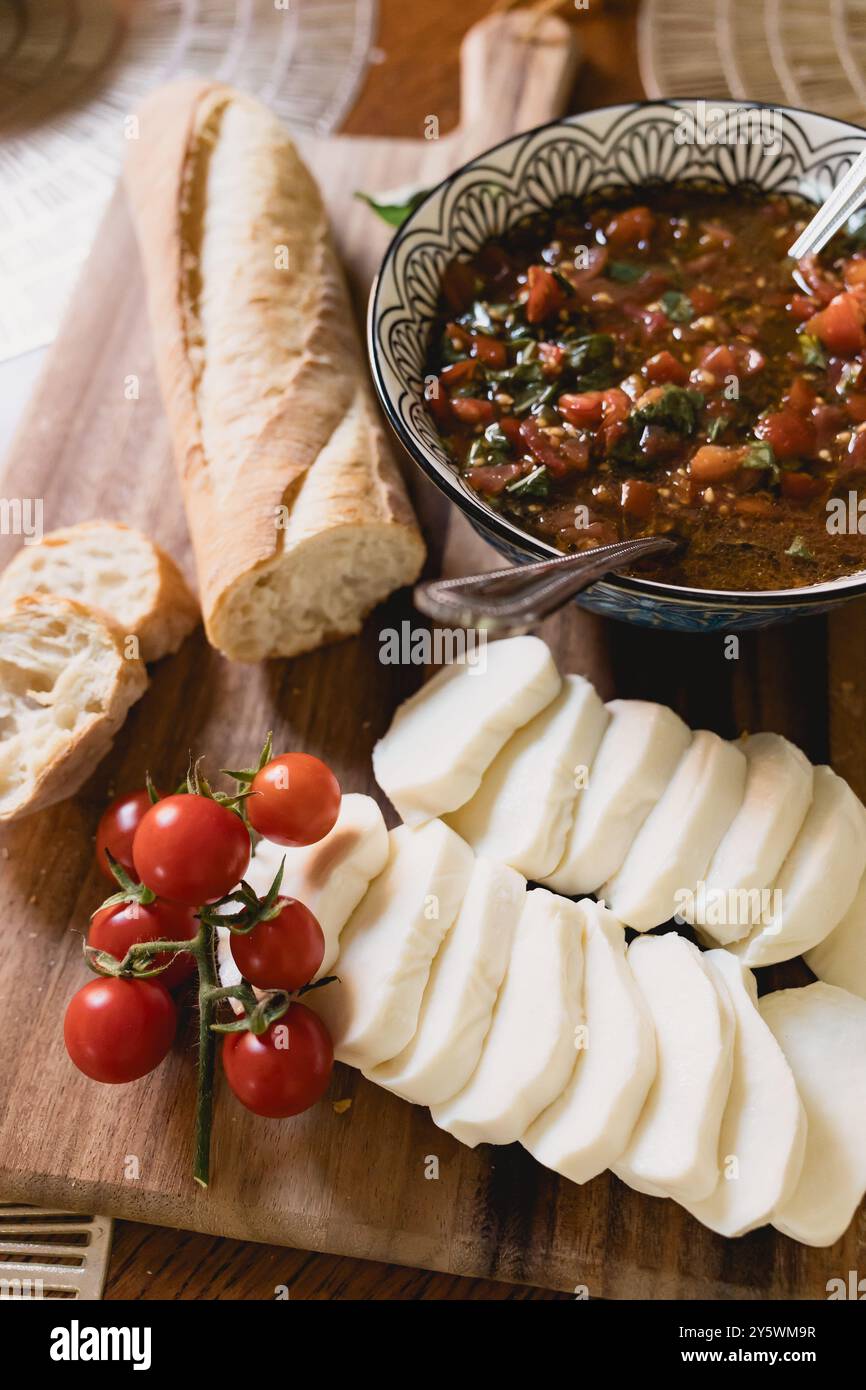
(788, 151)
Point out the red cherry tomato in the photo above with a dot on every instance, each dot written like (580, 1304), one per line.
(282, 953)
(191, 849)
(116, 831)
(296, 801)
(115, 929)
(284, 1071)
(118, 1030)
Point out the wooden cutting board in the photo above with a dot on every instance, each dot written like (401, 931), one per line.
(356, 1182)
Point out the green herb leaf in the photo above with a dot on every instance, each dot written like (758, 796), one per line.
(799, 549)
(812, 350)
(760, 455)
(490, 447)
(677, 409)
(677, 306)
(590, 357)
(394, 213)
(717, 428)
(624, 271)
(535, 484)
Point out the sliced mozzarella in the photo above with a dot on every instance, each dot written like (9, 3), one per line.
(819, 878)
(588, 1126)
(840, 959)
(673, 1151)
(461, 992)
(680, 835)
(330, 878)
(635, 762)
(444, 738)
(822, 1032)
(522, 810)
(529, 1052)
(763, 1134)
(745, 865)
(389, 942)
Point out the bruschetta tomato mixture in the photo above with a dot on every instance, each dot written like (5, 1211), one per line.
(655, 363)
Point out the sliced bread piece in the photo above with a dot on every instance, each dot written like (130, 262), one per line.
(65, 688)
(109, 566)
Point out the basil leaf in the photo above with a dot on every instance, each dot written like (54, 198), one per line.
(799, 549)
(677, 306)
(676, 409)
(535, 484)
(812, 350)
(760, 455)
(394, 213)
(717, 428)
(624, 271)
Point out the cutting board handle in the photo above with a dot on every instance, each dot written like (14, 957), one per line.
(516, 71)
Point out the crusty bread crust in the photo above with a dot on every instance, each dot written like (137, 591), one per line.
(261, 371)
(64, 757)
(163, 610)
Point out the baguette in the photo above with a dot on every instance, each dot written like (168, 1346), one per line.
(298, 514)
(108, 566)
(65, 688)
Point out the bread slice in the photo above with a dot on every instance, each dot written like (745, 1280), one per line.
(298, 514)
(65, 688)
(106, 565)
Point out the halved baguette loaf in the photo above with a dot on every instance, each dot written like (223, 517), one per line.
(65, 688)
(108, 566)
(298, 514)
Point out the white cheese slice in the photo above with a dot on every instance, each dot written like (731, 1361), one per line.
(529, 1053)
(673, 1151)
(763, 1134)
(680, 835)
(840, 959)
(746, 863)
(461, 992)
(443, 739)
(819, 878)
(330, 877)
(822, 1032)
(388, 944)
(522, 810)
(634, 764)
(589, 1125)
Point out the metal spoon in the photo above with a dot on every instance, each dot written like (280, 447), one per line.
(848, 195)
(522, 595)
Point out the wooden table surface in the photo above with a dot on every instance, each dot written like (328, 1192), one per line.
(414, 75)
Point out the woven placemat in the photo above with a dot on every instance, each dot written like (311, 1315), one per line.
(72, 71)
(809, 53)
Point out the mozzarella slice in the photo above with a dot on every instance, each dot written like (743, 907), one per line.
(522, 810)
(840, 959)
(330, 878)
(635, 762)
(461, 992)
(529, 1053)
(819, 878)
(680, 835)
(746, 863)
(763, 1134)
(444, 738)
(588, 1126)
(822, 1032)
(673, 1151)
(389, 942)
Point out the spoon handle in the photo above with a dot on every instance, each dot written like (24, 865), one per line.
(522, 595)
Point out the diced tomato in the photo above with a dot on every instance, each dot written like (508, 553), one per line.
(713, 463)
(493, 478)
(593, 264)
(546, 295)
(656, 443)
(790, 435)
(719, 361)
(663, 367)
(855, 403)
(703, 300)
(439, 405)
(510, 426)
(823, 285)
(471, 411)
(854, 271)
(489, 351)
(749, 359)
(840, 325)
(800, 395)
(459, 335)
(456, 373)
(828, 421)
(638, 498)
(582, 408)
(854, 463)
(630, 228)
(551, 355)
(802, 307)
(615, 410)
(459, 284)
(559, 455)
(801, 487)
(653, 321)
(715, 235)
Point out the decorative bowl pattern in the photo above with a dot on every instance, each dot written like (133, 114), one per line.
(615, 146)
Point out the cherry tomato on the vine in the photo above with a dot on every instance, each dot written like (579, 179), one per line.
(116, 831)
(118, 1030)
(286, 1069)
(115, 929)
(282, 953)
(191, 849)
(295, 801)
